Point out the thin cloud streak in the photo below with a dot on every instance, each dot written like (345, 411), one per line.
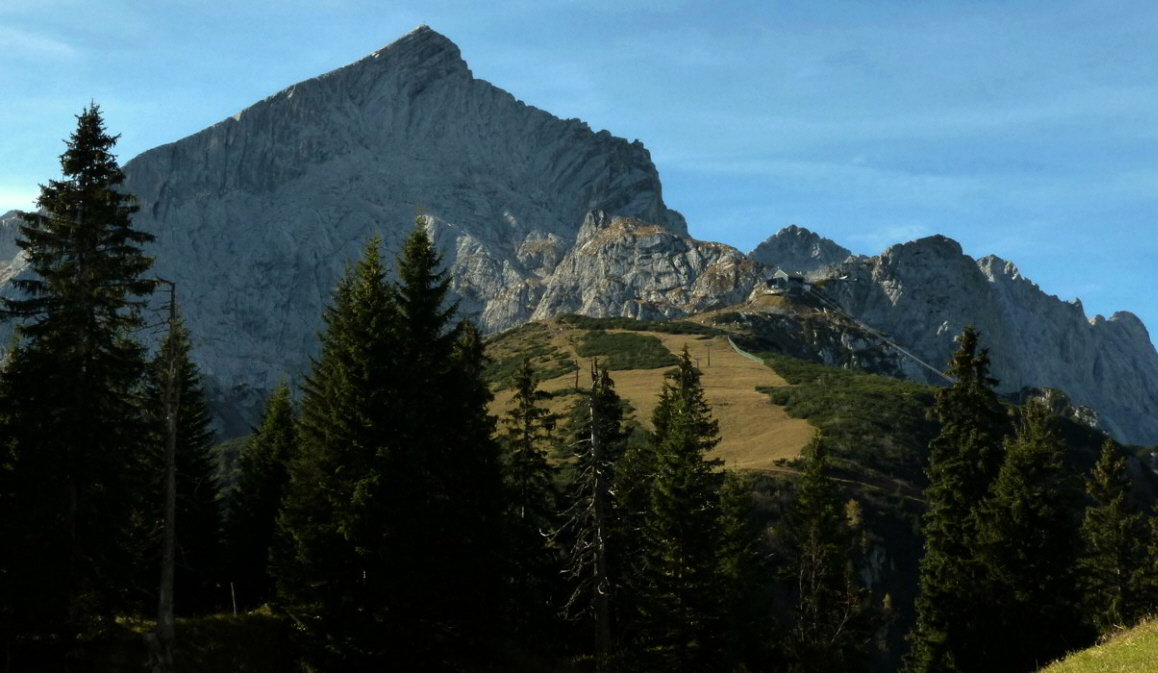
(31, 45)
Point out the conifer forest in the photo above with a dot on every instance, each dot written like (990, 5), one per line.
(381, 517)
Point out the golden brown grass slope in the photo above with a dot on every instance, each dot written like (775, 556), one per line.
(754, 432)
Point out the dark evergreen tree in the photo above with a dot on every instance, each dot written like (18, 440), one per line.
(595, 553)
(964, 460)
(534, 507)
(261, 484)
(830, 629)
(74, 433)
(199, 537)
(329, 561)
(746, 630)
(391, 522)
(1028, 544)
(446, 448)
(634, 477)
(680, 584)
(1113, 564)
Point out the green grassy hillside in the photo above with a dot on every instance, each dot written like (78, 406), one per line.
(1131, 651)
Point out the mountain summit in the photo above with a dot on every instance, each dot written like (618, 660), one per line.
(795, 248)
(257, 215)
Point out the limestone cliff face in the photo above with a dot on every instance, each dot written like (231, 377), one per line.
(923, 294)
(257, 216)
(626, 267)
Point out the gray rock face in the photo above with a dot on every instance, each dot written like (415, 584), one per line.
(797, 249)
(257, 216)
(925, 292)
(626, 267)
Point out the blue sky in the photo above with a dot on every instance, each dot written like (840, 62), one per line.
(1026, 129)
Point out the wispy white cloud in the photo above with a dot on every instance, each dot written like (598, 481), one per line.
(31, 44)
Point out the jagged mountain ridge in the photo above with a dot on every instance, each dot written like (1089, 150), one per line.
(257, 216)
(923, 293)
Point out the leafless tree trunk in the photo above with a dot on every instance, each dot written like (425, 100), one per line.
(602, 581)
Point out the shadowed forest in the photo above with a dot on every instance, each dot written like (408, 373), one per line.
(380, 518)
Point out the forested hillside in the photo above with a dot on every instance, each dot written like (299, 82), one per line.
(581, 494)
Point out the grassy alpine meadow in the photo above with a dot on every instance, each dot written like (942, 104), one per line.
(1131, 651)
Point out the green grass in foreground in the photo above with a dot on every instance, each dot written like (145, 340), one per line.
(1132, 651)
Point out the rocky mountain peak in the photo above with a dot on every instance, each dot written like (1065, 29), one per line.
(424, 52)
(1128, 323)
(256, 216)
(795, 248)
(993, 266)
(923, 293)
(930, 246)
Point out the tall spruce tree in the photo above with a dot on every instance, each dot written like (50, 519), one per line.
(261, 484)
(534, 506)
(391, 521)
(964, 460)
(451, 495)
(1028, 544)
(200, 552)
(680, 583)
(830, 629)
(1113, 563)
(74, 433)
(332, 523)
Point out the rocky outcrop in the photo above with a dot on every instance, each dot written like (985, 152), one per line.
(1059, 404)
(796, 249)
(627, 267)
(925, 292)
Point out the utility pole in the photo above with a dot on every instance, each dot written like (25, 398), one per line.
(166, 623)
